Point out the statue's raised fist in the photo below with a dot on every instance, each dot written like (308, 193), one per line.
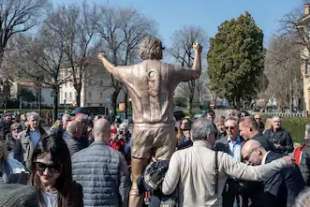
(197, 47)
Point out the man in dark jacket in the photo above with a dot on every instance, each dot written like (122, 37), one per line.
(73, 137)
(250, 190)
(29, 138)
(259, 122)
(5, 124)
(101, 171)
(281, 188)
(249, 130)
(12, 140)
(280, 138)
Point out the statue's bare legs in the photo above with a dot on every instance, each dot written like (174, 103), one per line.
(137, 167)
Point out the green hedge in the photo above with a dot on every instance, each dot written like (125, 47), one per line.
(296, 127)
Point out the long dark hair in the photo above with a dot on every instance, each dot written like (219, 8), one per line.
(56, 146)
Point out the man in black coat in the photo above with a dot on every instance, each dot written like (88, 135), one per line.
(5, 124)
(281, 188)
(251, 190)
(250, 130)
(73, 137)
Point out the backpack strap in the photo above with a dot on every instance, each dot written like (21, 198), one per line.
(216, 172)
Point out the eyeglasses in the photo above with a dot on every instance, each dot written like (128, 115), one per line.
(41, 167)
(16, 129)
(230, 127)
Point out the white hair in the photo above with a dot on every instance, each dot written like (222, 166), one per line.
(202, 129)
(33, 114)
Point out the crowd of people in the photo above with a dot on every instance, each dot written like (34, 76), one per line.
(81, 160)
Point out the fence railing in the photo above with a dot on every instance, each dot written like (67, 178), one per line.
(286, 114)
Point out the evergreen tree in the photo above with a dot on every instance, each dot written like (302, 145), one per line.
(236, 60)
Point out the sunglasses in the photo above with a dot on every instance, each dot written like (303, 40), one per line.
(41, 167)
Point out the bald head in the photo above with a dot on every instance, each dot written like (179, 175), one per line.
(101, 130)
(253, 152)
(250, 145)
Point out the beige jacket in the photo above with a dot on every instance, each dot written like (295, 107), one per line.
(194, 170)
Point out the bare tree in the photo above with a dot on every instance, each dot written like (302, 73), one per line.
(80, 35)
(17, 16)
(292, 25)
(294, 37)
(183, 54)
(282, 68)
(42, 56)
(121, 30)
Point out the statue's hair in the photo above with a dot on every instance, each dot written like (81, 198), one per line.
(150, 48)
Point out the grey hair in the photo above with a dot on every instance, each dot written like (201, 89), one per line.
(150, 48)
(202, 129)
(303, 198)
(33, 114)
(232, 118)
(276, 117)
(123, 126)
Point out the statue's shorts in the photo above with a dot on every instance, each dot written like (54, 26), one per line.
(158, 141)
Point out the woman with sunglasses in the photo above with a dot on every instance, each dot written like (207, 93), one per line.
(52, 174)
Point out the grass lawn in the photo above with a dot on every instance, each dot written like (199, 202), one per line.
(296, 127)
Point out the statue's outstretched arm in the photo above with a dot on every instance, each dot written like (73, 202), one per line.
(197, 60)
(107, 64)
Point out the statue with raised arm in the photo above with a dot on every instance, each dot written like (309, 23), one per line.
(151, 86)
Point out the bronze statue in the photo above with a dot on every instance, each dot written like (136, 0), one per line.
(151, 86)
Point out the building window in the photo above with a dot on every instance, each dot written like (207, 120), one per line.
(89, 94)
(70, 96)
(66, 95)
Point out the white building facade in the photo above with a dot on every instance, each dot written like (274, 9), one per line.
(96, 88)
